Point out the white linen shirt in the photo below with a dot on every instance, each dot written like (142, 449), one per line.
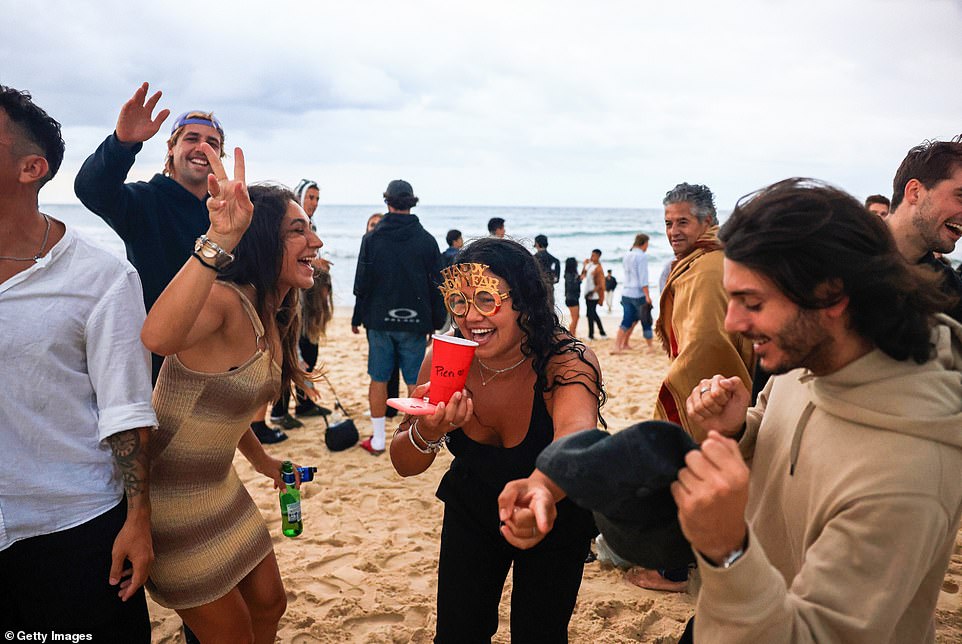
(636, 273)
(72, 372)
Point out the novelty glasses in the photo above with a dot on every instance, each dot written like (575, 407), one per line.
(486, 301)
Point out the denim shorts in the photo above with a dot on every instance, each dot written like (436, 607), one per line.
(388, 350)
(632, 310)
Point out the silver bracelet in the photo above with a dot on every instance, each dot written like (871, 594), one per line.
(433, 446)
(411, 429)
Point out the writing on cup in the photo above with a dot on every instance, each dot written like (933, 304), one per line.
(450, 362)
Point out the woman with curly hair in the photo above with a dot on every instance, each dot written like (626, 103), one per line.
(529, 383)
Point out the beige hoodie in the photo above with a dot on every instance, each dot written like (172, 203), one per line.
(854, 504)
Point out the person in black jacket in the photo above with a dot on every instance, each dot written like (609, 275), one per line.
(550, 264)
(398, 269)
(926, 215)
(159, 220)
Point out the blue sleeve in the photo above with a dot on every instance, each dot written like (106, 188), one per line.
(100, 183)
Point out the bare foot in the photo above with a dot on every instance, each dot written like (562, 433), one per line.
(653, 580)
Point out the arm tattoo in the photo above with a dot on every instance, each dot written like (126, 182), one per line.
(131, 459)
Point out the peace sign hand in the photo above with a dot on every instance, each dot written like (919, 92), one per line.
(229, 205)
(134, 124)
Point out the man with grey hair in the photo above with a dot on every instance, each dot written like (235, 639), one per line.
(691, 327)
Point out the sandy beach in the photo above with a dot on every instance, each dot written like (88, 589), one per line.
(364, 570)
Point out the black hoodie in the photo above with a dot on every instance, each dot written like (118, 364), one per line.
(398, 272)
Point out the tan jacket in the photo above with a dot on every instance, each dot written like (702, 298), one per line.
(691, 326)
(854, 504)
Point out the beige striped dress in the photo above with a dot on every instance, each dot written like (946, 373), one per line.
(208, 534)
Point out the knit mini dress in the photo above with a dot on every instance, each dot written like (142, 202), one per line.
(208, 534)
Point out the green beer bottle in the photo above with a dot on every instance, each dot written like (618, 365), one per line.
(291, 523)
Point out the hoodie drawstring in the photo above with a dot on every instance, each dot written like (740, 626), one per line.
(797, 437)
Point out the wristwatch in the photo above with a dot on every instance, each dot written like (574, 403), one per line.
(212, 254)
(732, 557)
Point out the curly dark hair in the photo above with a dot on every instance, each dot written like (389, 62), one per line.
(34, 125)
(543, 335)
(803, 235)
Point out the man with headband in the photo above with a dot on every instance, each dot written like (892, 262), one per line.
(159, 220)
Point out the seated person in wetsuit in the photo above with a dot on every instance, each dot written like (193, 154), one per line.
(529, 383)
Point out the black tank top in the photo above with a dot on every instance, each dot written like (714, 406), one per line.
(495, 466)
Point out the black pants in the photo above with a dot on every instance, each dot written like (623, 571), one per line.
(309, 354)
(593, 319)
(58, 583)
(472, 568)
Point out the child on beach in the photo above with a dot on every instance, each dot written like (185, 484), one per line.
(229, 328)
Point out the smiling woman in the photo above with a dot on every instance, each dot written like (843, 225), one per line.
(530, 382)
(228, 325)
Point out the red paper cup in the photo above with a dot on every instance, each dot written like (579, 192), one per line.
(450, 361)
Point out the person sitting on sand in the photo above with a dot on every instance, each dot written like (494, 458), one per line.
(229, 327)
(530, 382)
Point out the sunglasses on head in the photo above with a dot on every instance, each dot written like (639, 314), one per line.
(486, 301)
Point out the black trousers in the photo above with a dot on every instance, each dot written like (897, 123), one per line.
(472, 569)
(58, 583)
(309, 353)
(593, 319)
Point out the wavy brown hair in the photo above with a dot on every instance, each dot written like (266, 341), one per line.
(258, 260)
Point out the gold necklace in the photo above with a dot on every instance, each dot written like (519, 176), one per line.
(497, 372)
(43, 244)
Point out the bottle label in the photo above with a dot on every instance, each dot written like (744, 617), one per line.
(294, 512)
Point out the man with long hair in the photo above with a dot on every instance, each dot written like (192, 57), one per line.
(833, 517)
(159, 220)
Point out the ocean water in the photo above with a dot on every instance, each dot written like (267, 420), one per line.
(572, 232)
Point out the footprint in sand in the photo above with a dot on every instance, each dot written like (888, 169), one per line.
(950, 586)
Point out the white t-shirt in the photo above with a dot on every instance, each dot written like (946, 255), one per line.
(72, 372)
(636, 273)
(588, 283)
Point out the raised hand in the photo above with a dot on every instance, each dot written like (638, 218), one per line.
(135, 125)
(719, 404)
(229, 205)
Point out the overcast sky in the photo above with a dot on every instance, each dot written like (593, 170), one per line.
(509, 103)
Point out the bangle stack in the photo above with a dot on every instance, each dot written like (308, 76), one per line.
(430, 447)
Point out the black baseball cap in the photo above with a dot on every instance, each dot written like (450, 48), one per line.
(398, 188)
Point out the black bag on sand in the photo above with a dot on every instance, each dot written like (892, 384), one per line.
(343, 434)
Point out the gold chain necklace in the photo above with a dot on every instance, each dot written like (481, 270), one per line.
(497, 372)
(43, 244)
